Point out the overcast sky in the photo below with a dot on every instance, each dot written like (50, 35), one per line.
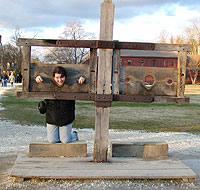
(135, 20)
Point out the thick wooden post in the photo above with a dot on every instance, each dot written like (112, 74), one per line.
(25, 67)
(182, 57)
(93, 69)
(103, 83)
(116, 71)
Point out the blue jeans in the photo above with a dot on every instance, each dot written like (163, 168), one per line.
(4, 82)
(62, 134)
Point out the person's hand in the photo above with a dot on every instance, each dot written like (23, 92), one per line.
(81, 80)
(38, 79)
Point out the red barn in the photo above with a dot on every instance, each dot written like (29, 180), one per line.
(145, 58)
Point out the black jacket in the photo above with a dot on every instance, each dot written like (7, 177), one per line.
(4, 77)
(60, 112)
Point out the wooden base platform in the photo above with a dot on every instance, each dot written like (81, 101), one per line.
(115, 169)
(45, 149)
(138, 149)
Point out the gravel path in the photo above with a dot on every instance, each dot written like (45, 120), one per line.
(15, 138)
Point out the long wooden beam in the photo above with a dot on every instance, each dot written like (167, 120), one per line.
(103, 83)
(104, 44)
(95, 97)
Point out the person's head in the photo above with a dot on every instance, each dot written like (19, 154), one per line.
(59, 75)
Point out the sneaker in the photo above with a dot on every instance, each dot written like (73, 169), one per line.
(76, 135)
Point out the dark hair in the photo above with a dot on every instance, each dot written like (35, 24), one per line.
(59, 70)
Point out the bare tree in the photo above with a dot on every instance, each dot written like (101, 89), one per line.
(10, 54)
(166, 38)
(163, 38)
(14, 39)
(73, 31)
(17, 34)
(193, 67)
(190, 35)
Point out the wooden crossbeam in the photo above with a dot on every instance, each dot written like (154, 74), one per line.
(104, 44)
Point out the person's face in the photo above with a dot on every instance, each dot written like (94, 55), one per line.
(59, 79)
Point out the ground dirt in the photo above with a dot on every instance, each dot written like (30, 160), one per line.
(6, 163)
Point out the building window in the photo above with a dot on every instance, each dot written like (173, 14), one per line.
(142, 62)
(154, 62)
(173, 63)
(129, 61)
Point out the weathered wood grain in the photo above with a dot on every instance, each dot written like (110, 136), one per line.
(103, 83)
(48, 84)
(139, 149)
(25, 67)
(116, 71)
(93, 70)
(182, 57)
(173, 47)
(53, 43)
(116, 168)
(45, 149)
(171, 99)
(133, 81)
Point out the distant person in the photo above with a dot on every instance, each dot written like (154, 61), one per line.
(1, 79)
(18, 78)
(12, 79)
(4, 79)
(60, 114)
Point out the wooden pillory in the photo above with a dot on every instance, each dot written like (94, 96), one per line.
(106, 80)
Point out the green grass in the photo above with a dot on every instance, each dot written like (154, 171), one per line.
(21, 110)
(126, 116)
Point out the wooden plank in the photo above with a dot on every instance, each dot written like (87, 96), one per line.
(154, 46)
(57, 95)
(96, 43)
(45, 149)
(48, 85)
(179, 76)
(116, 71)
(165, 81)
(91, 97)
(170, 99)
(95, 175)
(36, 42)
(182, 57)
(36, 95)
(101, 134)
(128, 163)
(173, 47)
(26, 67)
(104, 72)
(139, 149)
(67, 43)
(93, 70)
(117, 168)
(103, 83)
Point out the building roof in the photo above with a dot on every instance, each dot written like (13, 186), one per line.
(148, 53)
